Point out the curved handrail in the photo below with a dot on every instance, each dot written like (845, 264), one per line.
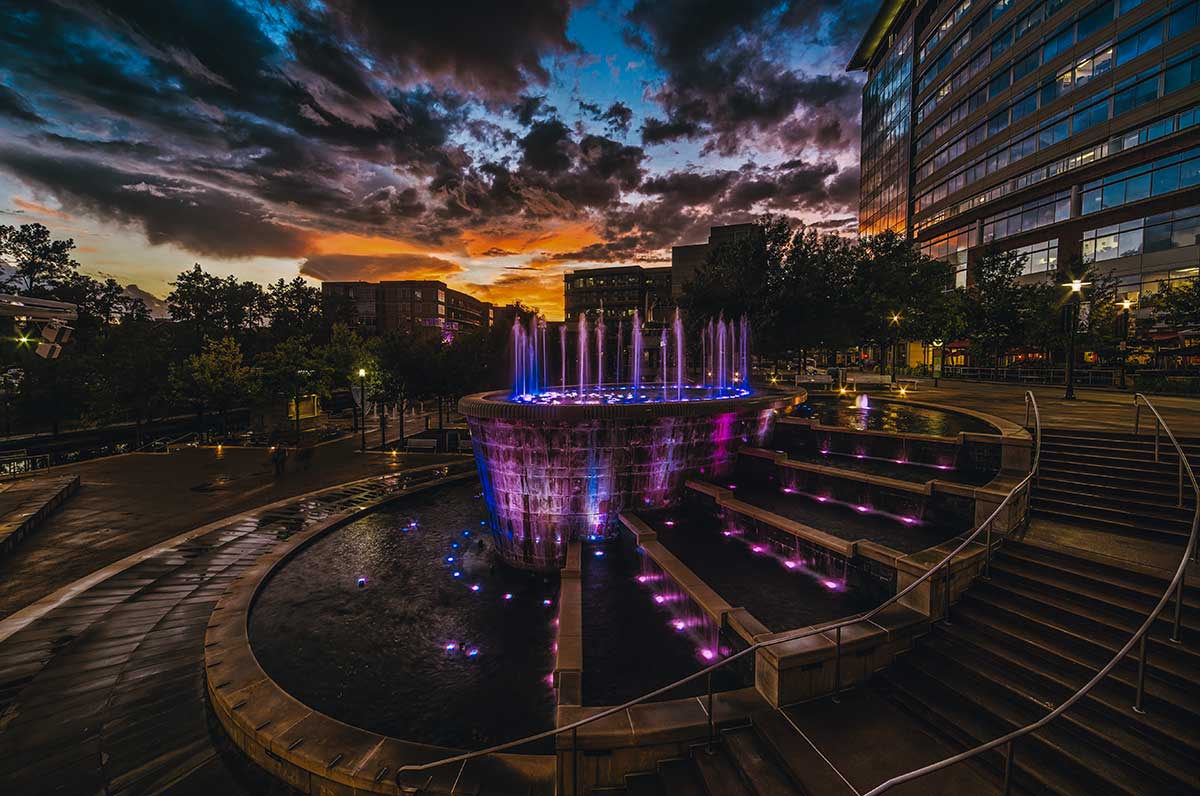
(837, 625)
(1138, 637)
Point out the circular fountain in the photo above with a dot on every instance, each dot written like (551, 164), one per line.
(560, 458)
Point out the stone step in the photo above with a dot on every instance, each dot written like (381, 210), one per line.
(758, 771)
(1117, 494)
(718, 773)
(1079, 515)
(797, 756)
(1166, 490)
(680, 777)
(1111, 698)
(1115, 507)
(1169, 771)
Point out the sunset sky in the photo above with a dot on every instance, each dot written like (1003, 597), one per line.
(490, 144)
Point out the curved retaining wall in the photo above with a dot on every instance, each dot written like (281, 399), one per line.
(312, 752)
(556, 474)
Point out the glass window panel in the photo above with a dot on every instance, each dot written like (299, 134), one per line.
(1091, 201)
(1113, 195)
(1129, 243)
(1166, 180)
(1106, 247)
(1135, 188)
(1189, 173)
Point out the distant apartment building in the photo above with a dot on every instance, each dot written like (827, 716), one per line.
(687, 259)
(1067, 130)
(411, 304)
(619, 291)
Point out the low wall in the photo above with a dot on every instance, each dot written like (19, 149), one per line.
(312, 752)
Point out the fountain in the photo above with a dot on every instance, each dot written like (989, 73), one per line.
(561, 462)
(861, 401)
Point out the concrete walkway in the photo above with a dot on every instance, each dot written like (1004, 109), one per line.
(131, 502)
(1109, 410)
(104, 692)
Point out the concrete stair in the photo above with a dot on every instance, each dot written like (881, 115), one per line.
(765, 758)
(1022, 642)
(1111, 482)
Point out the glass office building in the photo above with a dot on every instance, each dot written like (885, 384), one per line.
(1068, 130)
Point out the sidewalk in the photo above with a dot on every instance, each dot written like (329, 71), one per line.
(128, 503)
(1106, 410)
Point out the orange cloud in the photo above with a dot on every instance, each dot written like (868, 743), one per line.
(41, 210)
(362, 245)
(374, 268)
(542, 290)
(555, 238)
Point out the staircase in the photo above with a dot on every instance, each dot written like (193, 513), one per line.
(1022, 642)
(1111, 482)
(764, 758)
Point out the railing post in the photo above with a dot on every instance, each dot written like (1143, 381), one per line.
(574, 761)
(1008, 767)
(987, 557)
(711, 722)
(837, 665)
(1137, 416)
(1180, 482)
(1175, 637)
(1157, 426)
(946, 594)
(1141, 676)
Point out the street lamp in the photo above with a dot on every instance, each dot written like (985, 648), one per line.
(362, 397)
(895, 321)
(1126, 304)
(1076, 286)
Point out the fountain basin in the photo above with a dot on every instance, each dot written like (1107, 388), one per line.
(556, 473)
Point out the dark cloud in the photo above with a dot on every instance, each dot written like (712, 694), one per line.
(729, 81)
(373, 268)
(616, 117)
(14, 106)
(690, 187)
(200, 218)
(479, 46)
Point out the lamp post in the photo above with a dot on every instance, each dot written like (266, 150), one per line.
(938, 349)
(362, 396)
(895, 321)
(1076, 286)
(1125, 306)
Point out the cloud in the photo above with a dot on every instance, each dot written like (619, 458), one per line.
(198, 217)
(477, 45)
(374, 268)
(14, 106)
(41, 210)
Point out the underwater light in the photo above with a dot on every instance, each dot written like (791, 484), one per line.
(658, 598)
(474, 587)
(456, 574)
(863, 509)
(362, 582)
(545, 602)
(451, 647)
(679, 624)
(756, 548)
(829, 584)
(449, 559)
(508, 595)
(790, 564)
(707, 654)
(471, 653)
(599, 554)
(642, 578)
(669, 523)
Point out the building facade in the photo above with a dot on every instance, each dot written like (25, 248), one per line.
(1067, 130)
(686, 260)
(411, 305)
(618, 291)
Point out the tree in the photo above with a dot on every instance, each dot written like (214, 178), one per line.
(292, 370)
(134, 369)
(293, 308)
(39, 261)
(216, 378)
(213, 307)
(998, 303)
(406, 368)
(1178, 306)
(737, 277)
(1099, 328)
(893, 285)
(344, 355)
(814, 293)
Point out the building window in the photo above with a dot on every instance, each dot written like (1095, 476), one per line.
(1160, 232)
(1035, 214)
(1040, 257)
(1165, 175)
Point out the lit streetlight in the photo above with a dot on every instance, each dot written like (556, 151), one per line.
(1126, 305)
(362, 397)
(1076, 286)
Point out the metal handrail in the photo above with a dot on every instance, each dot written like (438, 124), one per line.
(1139, 636)
(836, 626)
